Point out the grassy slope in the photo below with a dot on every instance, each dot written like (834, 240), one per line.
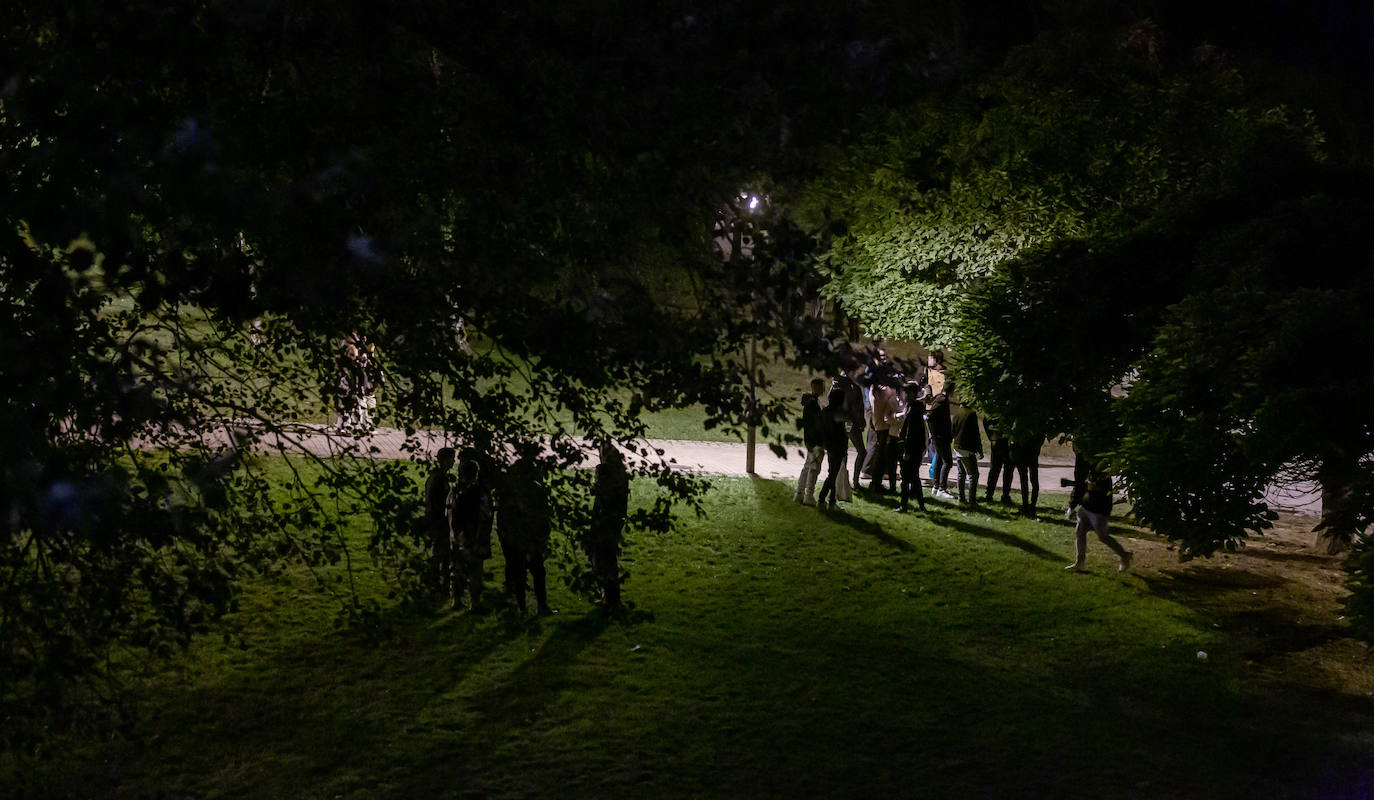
(776, 652)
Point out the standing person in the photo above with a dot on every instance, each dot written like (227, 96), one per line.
(912, 445)
(1091, 502)
(968, 448)
(1025, 454)
(349, 386)
(610, 507)
(935, 379)
(1000, 445)
(437, 523)
(855, 417)
(813, 440)
(835, 438)
(884, 415)
(471, 513)
(370, 368)
(524, 529)
(941, 438)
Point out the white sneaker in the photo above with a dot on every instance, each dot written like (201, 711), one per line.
(1125, 565)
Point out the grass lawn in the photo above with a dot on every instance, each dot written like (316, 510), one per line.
(774, 651)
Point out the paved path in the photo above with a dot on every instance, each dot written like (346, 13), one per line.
(715, 458)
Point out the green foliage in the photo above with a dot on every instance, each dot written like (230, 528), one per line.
(1074, 136)
(1230, 329)
(203, 200)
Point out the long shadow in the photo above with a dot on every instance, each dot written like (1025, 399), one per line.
(869, 528)
(1001, 537)
(537, 681)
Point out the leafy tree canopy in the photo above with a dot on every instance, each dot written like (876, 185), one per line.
(1075, 135)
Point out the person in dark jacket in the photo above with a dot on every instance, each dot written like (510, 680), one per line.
(813, 440)
(437, 524)
(911, 446)
(523, 529)
(968, 448)
(610, 507)
(835, 437)
(1025, 455)
(855, 418)
(471, 513)
(941, 437)
(1091, 501)
(999, 445)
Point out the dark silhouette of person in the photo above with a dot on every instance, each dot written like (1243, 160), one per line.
(942, 438)
(854, 417)
(912, 446)
(813, 440)
(471, 512)
(968, 448)
(610, 507)
(1025, 454)
(523, 528)
(835, 437)
(999, 443)
(437, 522)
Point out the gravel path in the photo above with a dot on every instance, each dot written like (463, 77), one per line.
(714, 458)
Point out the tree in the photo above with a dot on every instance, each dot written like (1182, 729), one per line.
(1230, 329)
(203, 200)
(1083, 131)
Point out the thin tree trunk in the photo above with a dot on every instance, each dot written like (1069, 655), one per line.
(1337, 527)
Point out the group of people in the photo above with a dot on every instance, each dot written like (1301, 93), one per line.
(897, 423)
(461, 515)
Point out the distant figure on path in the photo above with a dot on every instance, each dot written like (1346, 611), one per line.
(1091, 502)
(610, 507)
(437, 524)
(813, 440)
(524, 528)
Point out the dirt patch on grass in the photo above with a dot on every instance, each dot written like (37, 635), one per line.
(1278, 598)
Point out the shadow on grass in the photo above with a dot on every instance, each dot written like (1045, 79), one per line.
(992, 534)
(869, 528)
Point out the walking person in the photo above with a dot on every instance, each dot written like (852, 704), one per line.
(968, 448)
(835, 437)
(999, 445)
(813, 440)
(911, 443)
(524, 528)
(1091, 502)
(437, 524)
(610, 507)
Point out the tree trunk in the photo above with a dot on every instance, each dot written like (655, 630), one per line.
(1337, 527)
